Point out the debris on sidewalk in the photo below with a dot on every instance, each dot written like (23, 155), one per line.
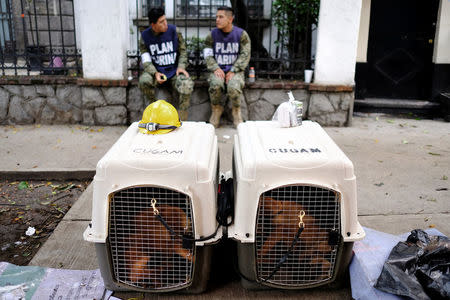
(418, 268)
(30, 231)
(370, 256)
(29, 282)
(29, 212)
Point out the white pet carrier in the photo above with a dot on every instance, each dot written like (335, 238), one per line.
(287, 178)
(172, 174)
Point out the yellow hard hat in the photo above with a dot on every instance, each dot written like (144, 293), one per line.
(158, 118)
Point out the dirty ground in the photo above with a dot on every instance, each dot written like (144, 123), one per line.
(29, 212)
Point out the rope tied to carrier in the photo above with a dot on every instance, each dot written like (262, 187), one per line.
(301, 227)
(186, 239)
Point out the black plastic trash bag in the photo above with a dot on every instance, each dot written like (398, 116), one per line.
(418, 268)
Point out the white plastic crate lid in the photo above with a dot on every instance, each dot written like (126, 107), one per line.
(192, 143)
(302, 147)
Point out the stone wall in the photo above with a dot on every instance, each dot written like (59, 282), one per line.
(100, 104)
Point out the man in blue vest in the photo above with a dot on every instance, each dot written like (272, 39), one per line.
(227, 54)
(164, 57)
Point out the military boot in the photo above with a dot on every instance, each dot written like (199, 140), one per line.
(237, 118)
(216, 112)
(183, 114)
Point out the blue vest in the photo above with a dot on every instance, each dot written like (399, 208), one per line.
(226, 47)
(163, 49)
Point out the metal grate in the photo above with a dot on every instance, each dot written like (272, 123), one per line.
(144, 254)
(38, 37)
(314, 256)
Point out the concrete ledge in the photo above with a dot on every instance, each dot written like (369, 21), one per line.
(331, 88)
(41, 79)
(259, 84)
(102, 82)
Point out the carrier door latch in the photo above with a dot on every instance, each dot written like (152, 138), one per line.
(155, 210)
(300, 216)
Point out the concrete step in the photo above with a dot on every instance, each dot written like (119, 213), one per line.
(396, 103)
(397, 106)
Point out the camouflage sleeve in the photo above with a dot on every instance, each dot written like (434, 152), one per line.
(244, 54)
(211, 63)
(148, 66)
(182, 53)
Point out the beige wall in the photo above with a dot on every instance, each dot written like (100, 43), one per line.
(363, 37)
(441, 53)
(337, 41)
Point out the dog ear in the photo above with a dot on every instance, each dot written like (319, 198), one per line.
(272, 206)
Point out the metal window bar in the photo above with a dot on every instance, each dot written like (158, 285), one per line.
(42, 38)
(273, 55)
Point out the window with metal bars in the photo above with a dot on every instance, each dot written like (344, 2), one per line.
(144, 253)
(6, 26)
(199, 8)
(37, 37)
(148, 4)
(313, 258)
(282, 33)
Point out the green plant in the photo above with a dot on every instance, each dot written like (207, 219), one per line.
(194, 45)
(294, 20)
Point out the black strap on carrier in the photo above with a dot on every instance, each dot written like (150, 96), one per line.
(224, 216)
(155, 126)
(286, 255)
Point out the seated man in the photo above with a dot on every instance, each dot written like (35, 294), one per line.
(163, 53)
(227, 54)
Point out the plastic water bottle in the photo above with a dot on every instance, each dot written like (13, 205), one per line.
(298, 106)
(251, 74)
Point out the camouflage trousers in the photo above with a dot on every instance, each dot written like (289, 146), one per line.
(233, 89)
(182, 84)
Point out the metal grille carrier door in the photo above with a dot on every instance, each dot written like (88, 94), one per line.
(154, 208)
(313, 257)
(295, 206)
(144, 252)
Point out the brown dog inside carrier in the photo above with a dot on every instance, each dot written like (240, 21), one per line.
(145, 253)
(298, 240)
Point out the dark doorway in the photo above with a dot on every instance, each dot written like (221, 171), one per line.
(400, 49)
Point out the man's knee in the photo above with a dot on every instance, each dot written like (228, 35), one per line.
(234, 91)
(215, 82)
(146, 81)
(215, 89)
(184, 85)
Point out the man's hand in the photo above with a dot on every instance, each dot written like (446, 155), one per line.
(219, 73)
(160, 77)
(180, 70)
(229, 76)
